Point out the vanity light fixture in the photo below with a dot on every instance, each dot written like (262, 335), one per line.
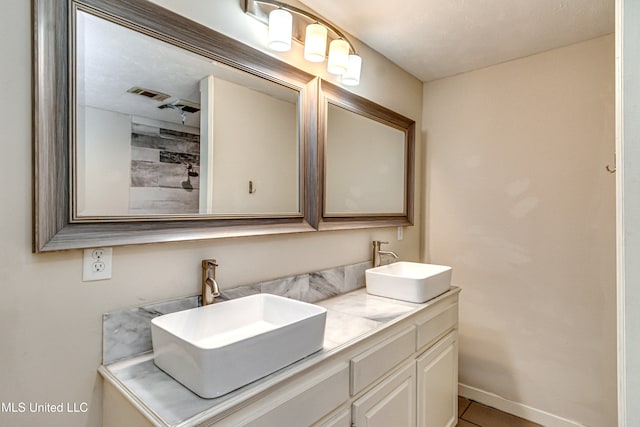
(288, 22)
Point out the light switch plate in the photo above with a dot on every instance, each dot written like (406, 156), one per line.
(96, 264)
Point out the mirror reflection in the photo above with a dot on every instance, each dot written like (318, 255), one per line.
(161, 131)
(365, 165)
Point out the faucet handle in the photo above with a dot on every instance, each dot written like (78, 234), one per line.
(378, 243)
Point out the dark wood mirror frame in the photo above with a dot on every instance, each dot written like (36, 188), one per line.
(329, 93)
(52, 229)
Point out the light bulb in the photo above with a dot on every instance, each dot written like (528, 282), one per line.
(280, 24)
(352, 76)
(338, 57)
(315, 43)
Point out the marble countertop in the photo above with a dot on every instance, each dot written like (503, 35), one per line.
(351, 317)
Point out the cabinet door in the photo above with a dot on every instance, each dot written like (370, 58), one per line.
(438, 384)
(390, 403)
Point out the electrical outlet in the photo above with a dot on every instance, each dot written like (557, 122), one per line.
(400, 233)
(97, 254)
(96, 264)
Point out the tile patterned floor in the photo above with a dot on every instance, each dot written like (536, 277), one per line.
(474, 414)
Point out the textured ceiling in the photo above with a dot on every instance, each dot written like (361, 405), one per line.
(432, 39)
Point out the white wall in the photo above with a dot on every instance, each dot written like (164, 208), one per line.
(104, 151)
(250, 146)
(628, 190)
(50, 321)
(521, 206)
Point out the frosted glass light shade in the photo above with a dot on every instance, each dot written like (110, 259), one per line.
(338, 57)
(315, 43)
(352, 76)
(280, 24)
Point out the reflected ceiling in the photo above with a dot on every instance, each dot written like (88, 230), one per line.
(112, 59)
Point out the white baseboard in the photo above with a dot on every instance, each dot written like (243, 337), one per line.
(518, 409)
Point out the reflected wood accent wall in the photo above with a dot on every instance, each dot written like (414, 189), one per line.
(160, 183)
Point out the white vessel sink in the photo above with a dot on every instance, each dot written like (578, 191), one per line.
(408, 281)
(218, 348)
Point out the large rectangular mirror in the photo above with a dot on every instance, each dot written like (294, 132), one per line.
(162, 131)
(149, 127)
(367, 157)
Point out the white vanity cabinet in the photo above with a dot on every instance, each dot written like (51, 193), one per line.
(403, 373)
(423, 390)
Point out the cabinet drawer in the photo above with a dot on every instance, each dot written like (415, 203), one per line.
(341, 419)
(302, 403)
(437, 324)
(373, 363)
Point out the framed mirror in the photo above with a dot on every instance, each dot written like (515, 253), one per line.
(367, 157)
(149, 127)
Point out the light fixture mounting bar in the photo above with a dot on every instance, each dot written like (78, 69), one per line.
(260, 9)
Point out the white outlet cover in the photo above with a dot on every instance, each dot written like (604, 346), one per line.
(94, 257)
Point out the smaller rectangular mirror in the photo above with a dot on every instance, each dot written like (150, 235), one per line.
(367, 157)
(365, 165)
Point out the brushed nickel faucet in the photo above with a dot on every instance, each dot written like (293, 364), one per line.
(210, 289)
(377, 252)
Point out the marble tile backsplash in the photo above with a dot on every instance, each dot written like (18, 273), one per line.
(127, 333)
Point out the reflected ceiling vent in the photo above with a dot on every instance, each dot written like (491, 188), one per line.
(182, 107)
(186, 106)
(152, 94)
